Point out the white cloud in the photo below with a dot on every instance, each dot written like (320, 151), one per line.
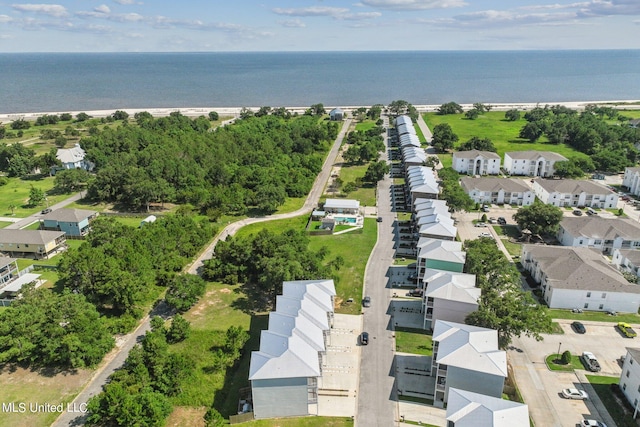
(103, 8)
(54, 10)
(292, 23)
(359, 16)
(612, 7)
(124, 1)
(5, 18)
(413, 4)
(6, 37)
(311, 11)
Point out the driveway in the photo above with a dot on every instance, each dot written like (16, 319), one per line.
(541, 387)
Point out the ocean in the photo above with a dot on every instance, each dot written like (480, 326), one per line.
(39, 82)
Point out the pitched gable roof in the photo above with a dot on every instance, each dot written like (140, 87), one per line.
(572, 186)
(597, 227)
(535, 155)
(468, 409)
(472, 154)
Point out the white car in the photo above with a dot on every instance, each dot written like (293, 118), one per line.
(592, 423)
(573, 393)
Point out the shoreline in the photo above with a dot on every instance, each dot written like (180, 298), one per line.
(235, 111)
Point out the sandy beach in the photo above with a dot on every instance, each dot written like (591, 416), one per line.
(235, 111)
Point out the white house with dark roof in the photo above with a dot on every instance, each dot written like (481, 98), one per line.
(285, 372)
(631, 180)
(448, 296)
(476, 162)
(73, 158)
(630, 376)
(511, 191)
(466, 357)
(532, 163)
(603, 234)
(574, 193)
(627, 260)
(342, 206)
(468, 409)
(579, 278)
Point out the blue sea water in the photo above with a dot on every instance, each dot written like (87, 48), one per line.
(36, 82)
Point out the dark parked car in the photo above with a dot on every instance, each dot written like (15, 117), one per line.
(379, 219)
(501, 220)
(364, 338)
(45, 211)
(577, 212)
(578, 327)
(366, 302)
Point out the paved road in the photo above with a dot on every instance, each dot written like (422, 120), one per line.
(117, 357)
(377, 394)
(36, 217)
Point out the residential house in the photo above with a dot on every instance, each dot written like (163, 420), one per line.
(442, 229)
(448, 296)
(342, 206)
(572, 277)
(336, 114)
(409, 140)
(72, 158)
(627, 260)
(499, 191)
(10, 290)
(286, 371)
(31, 243)
(574, 193)
(468, 409)
(413, 156)
(420, 183)
(531, 163)
(440, 255)
(630, 376)
(631, 180)
(476, 162)
(466, 357)
(74, 222)
(8, 269)
(603, 234)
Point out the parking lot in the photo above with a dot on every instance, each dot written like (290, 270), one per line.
(541, 387)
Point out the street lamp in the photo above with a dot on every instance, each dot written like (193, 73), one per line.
(559, 344)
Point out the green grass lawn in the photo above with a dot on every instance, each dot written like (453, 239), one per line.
(602, 386)
(502, 133)
(3, 224)
(291, 204)
(446, 160)
(552, 365)
(415, 341)
(365, 125)
(421, 136)
(365, 194)
(596, 316)
(32, 226)
(16, 193)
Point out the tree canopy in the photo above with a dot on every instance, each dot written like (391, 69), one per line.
(503, 305)
(443, 137)
(450, 108)
(539, 218)
(475, 143)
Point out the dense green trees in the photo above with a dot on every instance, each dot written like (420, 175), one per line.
(443, 137)
(265, 260)
(376, 171)
(512, 115)
(36, 196)
(43, 328)
(257, 162)
(504, 306)
(450, 108)
(184, 290)
(117, 266)
(70, 180)
(575, 167)
(539, 218)
(475, 143)
(452, 192)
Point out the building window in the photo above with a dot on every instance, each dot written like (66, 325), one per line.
(604, 295)
(586, 305)
(601, 306)
(588, 294)
(624, 386)
(627, 374)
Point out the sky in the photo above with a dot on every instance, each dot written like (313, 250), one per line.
(317, 25)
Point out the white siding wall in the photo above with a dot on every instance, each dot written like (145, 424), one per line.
(285, 397)
(574, 298)
(630, 380)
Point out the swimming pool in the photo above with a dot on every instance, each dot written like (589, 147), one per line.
(345, 219)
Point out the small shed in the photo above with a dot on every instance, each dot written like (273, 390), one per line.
(318, 215)
(328, 224)
(336, 114)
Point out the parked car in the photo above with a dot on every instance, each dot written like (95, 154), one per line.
(574, 393)
(379, 219)
(364, 338)
(485, 234)
(492, 220)
(45, 211)
(485, 208)
(626, 330)
(592, 423)
(577, 212)
(501, 220)
(578, 327)
(590, 362)
(366, 302)
(481, 224)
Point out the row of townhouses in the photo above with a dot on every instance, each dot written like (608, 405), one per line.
(468, 366)
(527, 163)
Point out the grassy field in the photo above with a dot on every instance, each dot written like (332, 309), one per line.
(16, 193)
(602, 386)
(365, 125)
(415, 341)
(503, 134)
(353, 247)
(366, 194)
(596, 316)
(3, 224)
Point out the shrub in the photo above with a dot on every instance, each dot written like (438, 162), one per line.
(566, 357)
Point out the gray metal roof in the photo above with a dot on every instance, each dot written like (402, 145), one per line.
(472, 154)
(70, 155)
(468, 409)
(69, 215)
(535, 155)
(5, 260)
(572, 186)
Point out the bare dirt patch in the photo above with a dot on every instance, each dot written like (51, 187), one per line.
(185, 416)
(206, 301)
